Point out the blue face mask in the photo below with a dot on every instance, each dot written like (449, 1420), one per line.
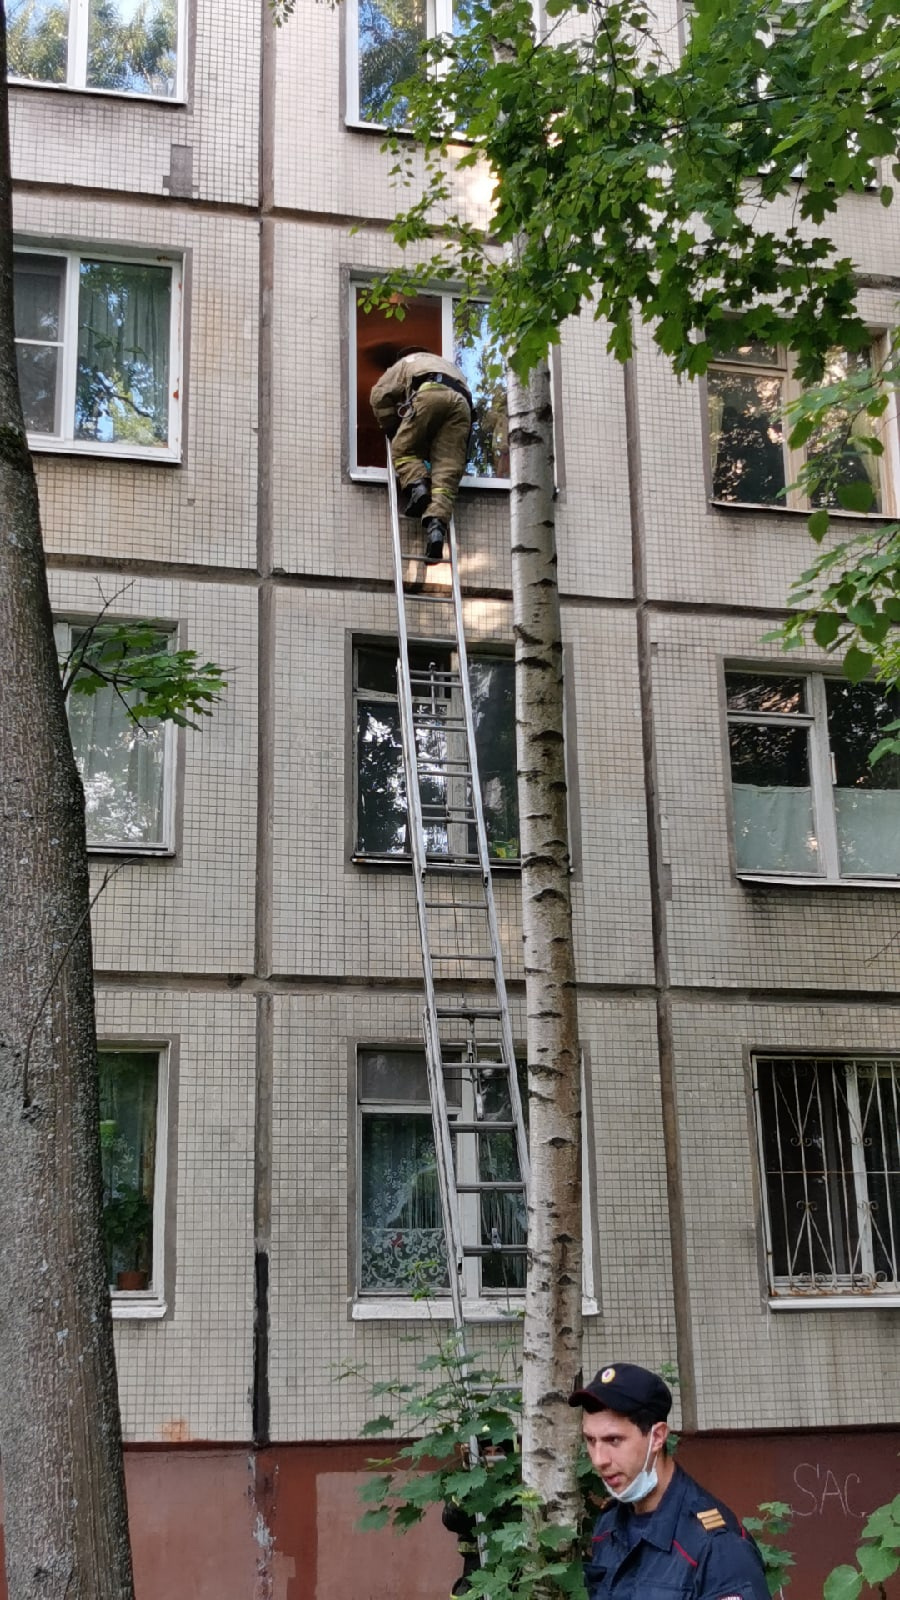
(639, 1487)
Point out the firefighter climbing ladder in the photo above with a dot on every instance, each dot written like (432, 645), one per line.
(468, 1036)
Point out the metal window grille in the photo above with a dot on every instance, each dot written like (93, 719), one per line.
(829, 1143)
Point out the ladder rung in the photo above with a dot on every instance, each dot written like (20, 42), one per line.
(437, 675)
(482, 1127)
(495, 1249)
(433, 599)
(447, 864)
(464, 859)
(468, 1011)
(456, 905)
(490, 1188)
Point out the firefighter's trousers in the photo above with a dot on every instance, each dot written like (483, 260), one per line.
(436, 430)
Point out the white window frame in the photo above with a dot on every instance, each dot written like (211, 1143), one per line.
(439, 19)
(63, 628)
(64, 442)
(477, 651)
(815, 720)
(783, 1296)
(479, 1306)
(362, 474)
(149, 1303)
(784, 368)
(77, 55)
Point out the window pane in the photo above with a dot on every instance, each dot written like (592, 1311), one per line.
(750, 691)
(879, 1102)
(834, 448)
(381, 791)
(38, 39)
(38, 282)
(746, 437)
(402, 1236)
(492, 682)
(390, 37)
(754, 353)
(37, 367)
(774, 830)
(866, 799)
(814, 1237)
(128, 1101)
(379, 340)
(38, 287)
(478, 357)
(121, 765)
(401, 1075)
(131, 45)
(122, 389)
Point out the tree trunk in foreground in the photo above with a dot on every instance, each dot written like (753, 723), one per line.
(552, 1340)
(60, 1437)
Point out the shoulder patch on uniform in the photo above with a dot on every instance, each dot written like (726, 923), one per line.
(711, 1519)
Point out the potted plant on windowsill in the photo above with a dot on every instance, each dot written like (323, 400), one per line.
(127, 1221)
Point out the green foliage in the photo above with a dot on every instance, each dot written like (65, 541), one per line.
(133, 659)
(627, 177)
(771, 1525)
(452, 1408)
(877, 1556)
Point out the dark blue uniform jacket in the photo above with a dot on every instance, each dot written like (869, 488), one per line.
(690, 1548)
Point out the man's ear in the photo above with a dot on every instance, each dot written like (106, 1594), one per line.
(660, 1432)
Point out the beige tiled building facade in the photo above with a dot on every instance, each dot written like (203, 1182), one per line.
(192, 352)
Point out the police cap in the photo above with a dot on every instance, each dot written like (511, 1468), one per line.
(624, 1388)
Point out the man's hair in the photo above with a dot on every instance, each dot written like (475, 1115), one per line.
(643, 1418)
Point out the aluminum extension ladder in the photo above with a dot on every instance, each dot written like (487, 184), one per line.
(466, 1017)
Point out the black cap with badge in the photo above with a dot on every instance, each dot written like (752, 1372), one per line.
(624, 1388)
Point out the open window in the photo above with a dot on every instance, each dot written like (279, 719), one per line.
(440, 323)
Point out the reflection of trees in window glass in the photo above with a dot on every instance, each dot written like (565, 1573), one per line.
(38, 287)
(121, 763)
(492, 682)
(38, 40)
(478, 357)
(835, 449)
(391, 33)
(122, 385)
(131, 46)
(747, 437)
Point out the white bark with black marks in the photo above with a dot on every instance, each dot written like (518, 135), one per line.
(66, 1526)
(553, 1325)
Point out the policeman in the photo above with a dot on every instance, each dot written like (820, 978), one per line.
(423, 404)
(662, 1537)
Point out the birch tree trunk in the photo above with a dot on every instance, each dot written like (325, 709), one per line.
(552, 1335)
(60, 1440)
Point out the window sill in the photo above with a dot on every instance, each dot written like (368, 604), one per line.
(403, 1309)
(153, 851)
(131, 1305)
(790, 881)
(861, 1300)
(753, 508)
(39, 445)
(379, 475)
(129, 95)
